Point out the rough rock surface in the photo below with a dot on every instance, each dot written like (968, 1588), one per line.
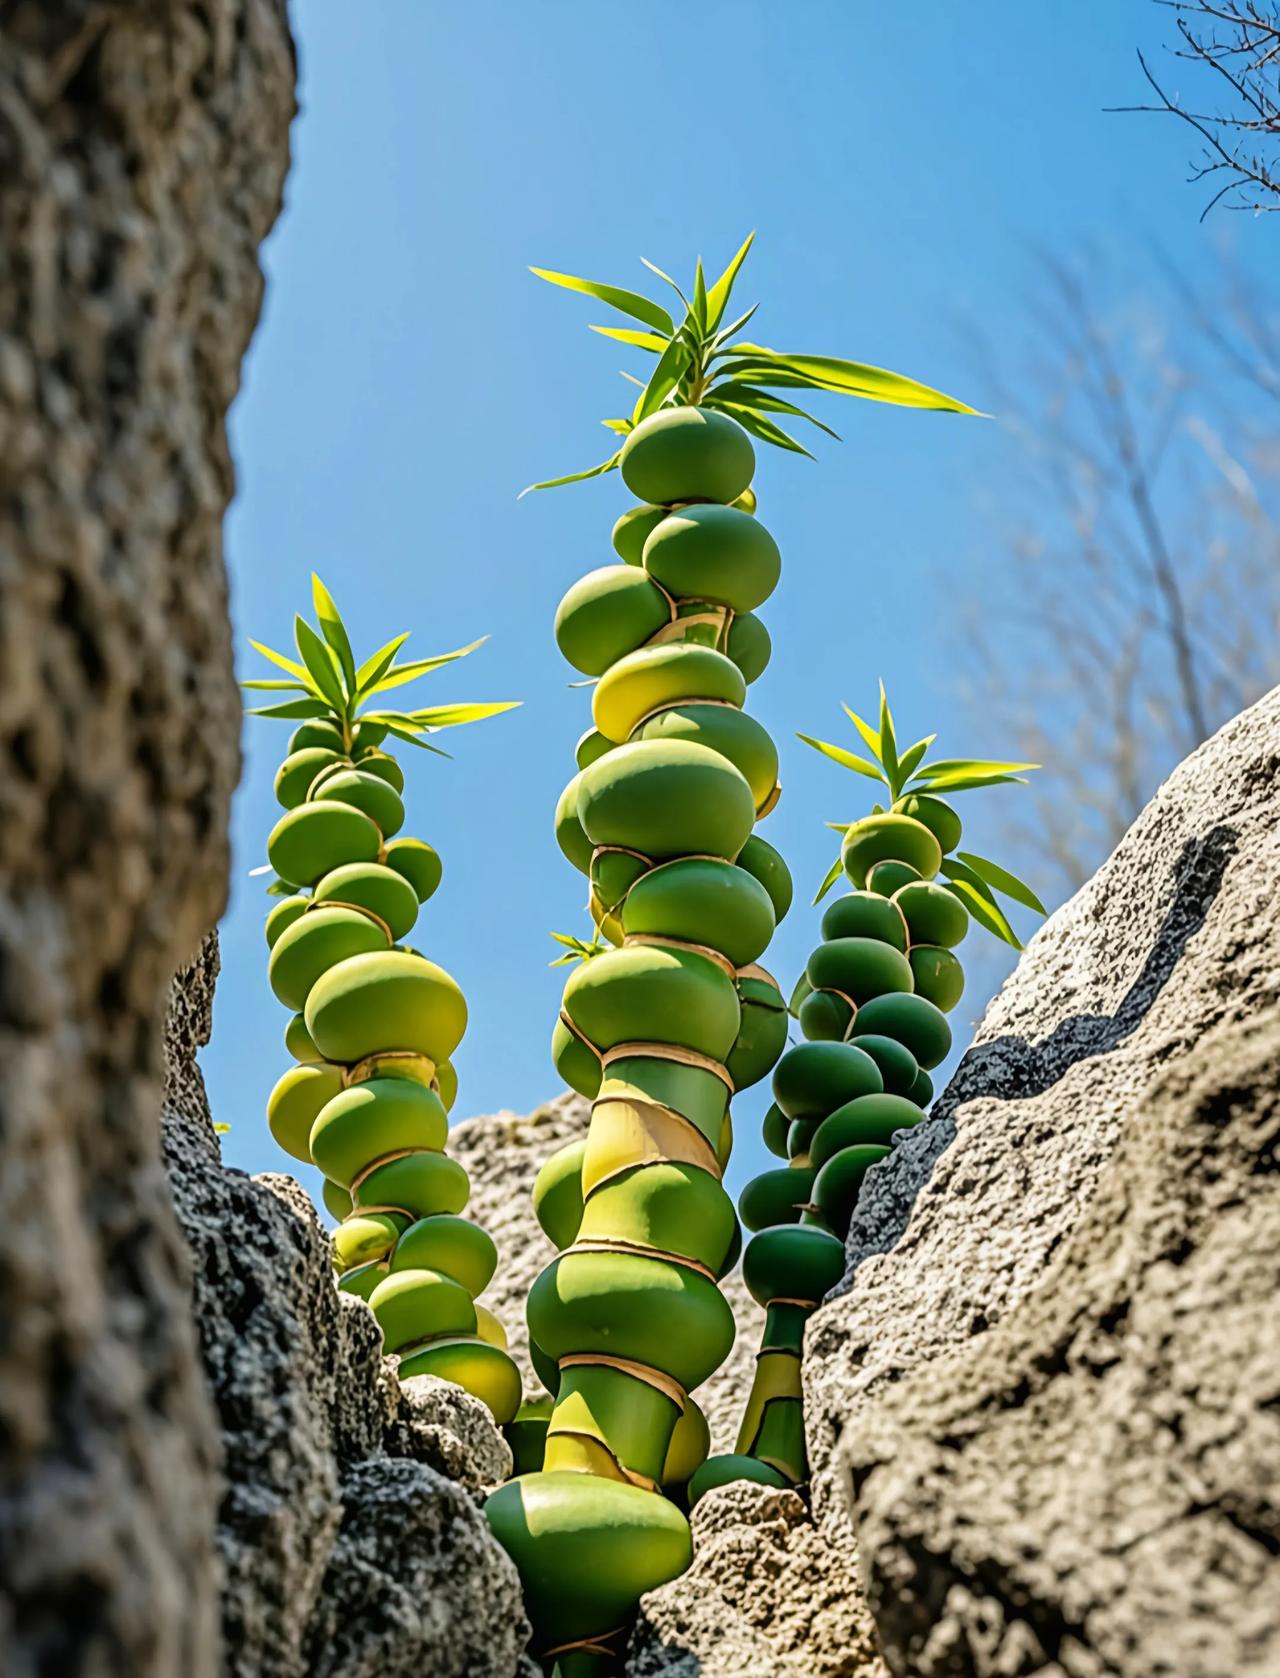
(350, 1532)
(142, 152)
(768, 1596)
(1051, 1387)
(1044, 1408)
(502, 1155)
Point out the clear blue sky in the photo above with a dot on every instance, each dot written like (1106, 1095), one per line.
(409, 377)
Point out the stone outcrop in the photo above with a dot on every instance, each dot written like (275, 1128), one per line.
(349, 1529)
(502, 1154)
(1044, 1409)
(142, 154)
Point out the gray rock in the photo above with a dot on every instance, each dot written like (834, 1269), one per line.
(142, 153)
(768, 1596)
(1049, 1388)
(349, 1529)
(503, 1154)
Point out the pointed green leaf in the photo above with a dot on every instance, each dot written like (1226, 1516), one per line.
(411, 739)
(700, 297)
(829, 879)
(664, 379)
(573, 477)
(850, 378)
(837, 754)
(334, 631)
(639, 340)
(281, 662)
(626, 302)
(980, 904)
(294, 708)
(888, 742)
(970, 765)
(280, 888)
(654, 269)
(966, 783)
(723, 336)
(907, 762)
(398, 674)
(1002, 880)
(452, 716)
(763, 429)
(621, 426)
(747, 396)
(838, 827)
(718, 296)
(276, 687)
(374, 669)
(321, 662)
(865, 729)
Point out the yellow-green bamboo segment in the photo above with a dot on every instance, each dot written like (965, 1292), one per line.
(659, 1030)
(374, 1026)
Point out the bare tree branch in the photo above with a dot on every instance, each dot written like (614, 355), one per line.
(1237, 42)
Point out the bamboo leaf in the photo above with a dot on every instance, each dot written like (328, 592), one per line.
(280, 888)
(276, 687)
(727, 332)
(850, 378)
(865, 729)
(334, 631)
(411, 739)
(983, 766)
(452, 716)
(838, 827)
(621, 426)
(573, 477)
(281, 662)
(626, 302)
(1002, 880)
(749, 397)
(911, 757)
(398, 674)
(654, 269)
(966, 783)
(321, 662)
(700, 297)
(664, 379)
(837, 754)
(374, 669)
(980, 904)
(294, 708)
(718, 296)
(639, 340)
(829, 879)
(763, 429)
(888, 743)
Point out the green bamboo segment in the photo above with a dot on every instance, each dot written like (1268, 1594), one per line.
(374, 1023)
(669, 1013)
(872, 1006)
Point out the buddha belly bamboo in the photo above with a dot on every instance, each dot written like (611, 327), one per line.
(373, 1029)
(659, 1030)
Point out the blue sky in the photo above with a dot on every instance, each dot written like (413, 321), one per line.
(410, 376)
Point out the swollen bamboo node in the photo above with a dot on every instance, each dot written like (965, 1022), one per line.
(669, 1012)
(873, 1005)
(374, 1022)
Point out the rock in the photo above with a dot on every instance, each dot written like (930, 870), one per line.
(142, 154)
(502, 1155)
(767, 1596)
(349, 1529)
(1049, 1387)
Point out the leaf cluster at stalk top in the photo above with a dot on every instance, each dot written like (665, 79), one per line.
(703, 362)
(330, 684)
(973, 879)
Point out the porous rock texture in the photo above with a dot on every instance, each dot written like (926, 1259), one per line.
(1044, 1407)
(502, 1154)
(350, 1531)
(142, 153)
